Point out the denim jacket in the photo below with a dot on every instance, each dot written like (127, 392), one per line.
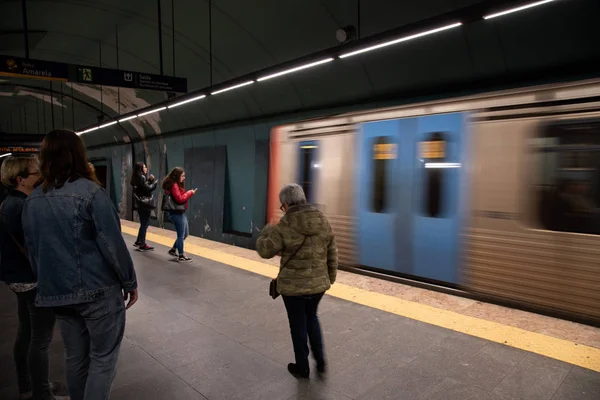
(73, 235)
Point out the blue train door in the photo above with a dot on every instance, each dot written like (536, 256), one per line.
(439, 181)
(380, 151)
(408, 191)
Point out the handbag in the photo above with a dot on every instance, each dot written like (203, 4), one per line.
(144, 202)
(169, 204)
(273, 284)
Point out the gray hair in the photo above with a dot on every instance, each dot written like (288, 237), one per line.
(292, 194)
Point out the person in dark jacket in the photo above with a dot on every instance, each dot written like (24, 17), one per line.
(174, 185)
(84, 270)
(308, 268)
(143, 201)
(36, 324)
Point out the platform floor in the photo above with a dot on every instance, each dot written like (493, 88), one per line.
(209, 330)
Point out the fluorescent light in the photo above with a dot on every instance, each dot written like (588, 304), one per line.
(128, 118)
(512, 10)
(152, 111)
(89, 130)
(442, 165)
(289, 71)
(402, 39)
(6, 155)
(186, 101)
(107, 124)
(233, 87)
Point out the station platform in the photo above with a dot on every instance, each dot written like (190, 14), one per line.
(208, 330)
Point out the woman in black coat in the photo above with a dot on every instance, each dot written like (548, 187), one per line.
(143, 201)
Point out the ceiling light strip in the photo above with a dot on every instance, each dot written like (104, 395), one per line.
(152, 111)
(402, 39)
(289, 71)
(513, 10)
(107, 124)
(6, 155)
(233, 87)
(128, 118)
(89, 130)
(186, 101)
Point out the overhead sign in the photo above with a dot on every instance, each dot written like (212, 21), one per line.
(53, 71)
(36, 69)
(130, 79)
(19, 149)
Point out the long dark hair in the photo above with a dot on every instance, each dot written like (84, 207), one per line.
(138, 169)
(63, 159)
(173, 178)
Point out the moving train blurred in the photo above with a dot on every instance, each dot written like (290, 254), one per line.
(496, 194)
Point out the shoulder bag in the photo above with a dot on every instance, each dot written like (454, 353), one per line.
(169, 204)
(144, 202)
(273, 284)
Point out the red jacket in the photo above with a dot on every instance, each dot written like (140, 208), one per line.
(180, 196)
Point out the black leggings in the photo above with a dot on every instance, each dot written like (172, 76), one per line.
(36, 328)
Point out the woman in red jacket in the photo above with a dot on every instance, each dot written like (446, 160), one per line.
(174, 185)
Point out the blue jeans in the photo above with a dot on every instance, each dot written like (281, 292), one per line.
(302, 315)
(181, 226)
(36, 329)
(92, 334)
(144, 222)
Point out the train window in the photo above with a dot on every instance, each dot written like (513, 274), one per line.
(383, 153)
(568, 186)
(308, 165)
(433, 153)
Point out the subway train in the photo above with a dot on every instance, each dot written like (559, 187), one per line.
(496, 195)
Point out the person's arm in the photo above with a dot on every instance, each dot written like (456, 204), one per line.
(332, 260)
(269, 242)
(150, 187)
(179, 195)
(27, 228)
(110, 242)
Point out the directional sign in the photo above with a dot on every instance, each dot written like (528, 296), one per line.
(18, 149)
(36, 69)
(130, 79)
(48, 70)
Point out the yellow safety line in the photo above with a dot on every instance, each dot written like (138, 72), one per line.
(559, 349)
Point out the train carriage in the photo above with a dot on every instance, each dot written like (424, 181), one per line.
(496, 194)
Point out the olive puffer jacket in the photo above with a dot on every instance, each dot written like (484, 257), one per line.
(308, 251)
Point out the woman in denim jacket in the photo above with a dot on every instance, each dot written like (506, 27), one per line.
(84, 270)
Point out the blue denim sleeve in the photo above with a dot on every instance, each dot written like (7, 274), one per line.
(110, 240)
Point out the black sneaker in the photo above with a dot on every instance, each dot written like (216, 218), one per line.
(145, 247)
(136, 244)
(173, 252)
(183, 258)
(297, 372)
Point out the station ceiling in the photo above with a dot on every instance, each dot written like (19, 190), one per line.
(218, 41)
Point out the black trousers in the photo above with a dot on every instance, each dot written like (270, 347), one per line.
(302, 315)
(144, 223)
(36, 329)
